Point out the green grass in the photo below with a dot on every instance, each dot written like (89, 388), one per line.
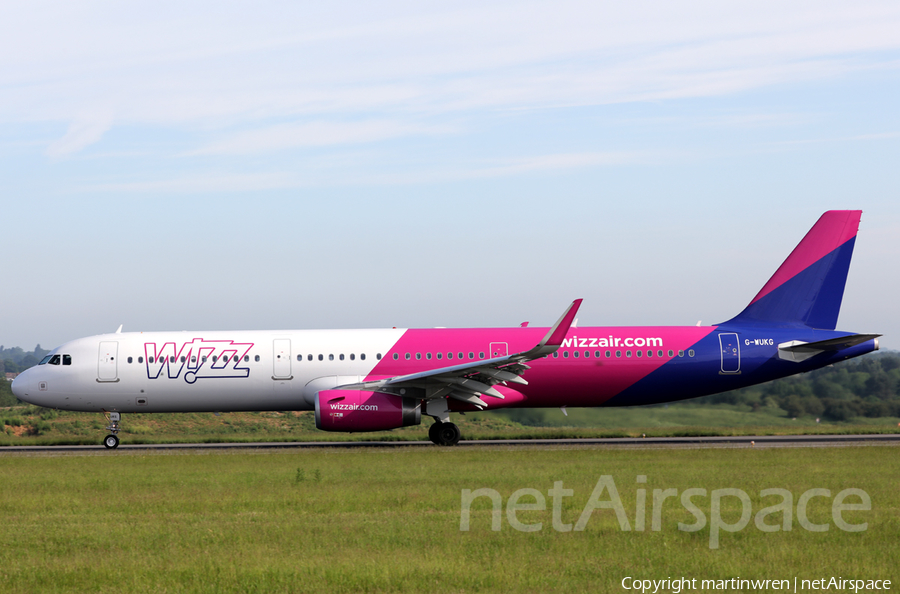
(31, 425)
(387, 520)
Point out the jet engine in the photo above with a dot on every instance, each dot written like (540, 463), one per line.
(361, 410)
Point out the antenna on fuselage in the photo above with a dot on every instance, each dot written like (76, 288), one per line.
(119, 331)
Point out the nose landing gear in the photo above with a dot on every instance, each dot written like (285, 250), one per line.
(111, 441)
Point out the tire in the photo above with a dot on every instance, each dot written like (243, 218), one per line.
(433, 433)
(111, 442)
(448, 434)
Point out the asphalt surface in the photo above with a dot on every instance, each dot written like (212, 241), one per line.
(741, 441)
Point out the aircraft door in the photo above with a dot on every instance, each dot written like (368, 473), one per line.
(107, 366)
(499, 349)
(730, 349)
(281, 358)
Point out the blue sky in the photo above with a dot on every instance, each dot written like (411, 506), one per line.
(208, 165)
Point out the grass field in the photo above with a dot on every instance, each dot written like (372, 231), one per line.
(388, 520)
(32, 425)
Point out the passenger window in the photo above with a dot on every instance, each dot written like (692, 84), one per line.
(618, 353)
(341, 356)
(691, 353)
(481, 355)
(659, 353)
(575, 354)
(566, 354)
(556, 354)
(587, 354)
(202, 359)
(171, 358)
(418, 356)
(449, 355)
(627, 353)
(671, 353)
(362, 357)
(130, 360)
(331, 357)
(246, 358)
(407, 356)
(308, 357)
(396, 356)
(428, 356)
(639, 353)
(352, 357)
(140, 359)
(378, 356)
(460, 356)
(321, 357)
(150, 359)
(183, 359)
(299, 357)
(681, 353)
(471, 355)
(439, 355)
(256, 358)
(608, 354)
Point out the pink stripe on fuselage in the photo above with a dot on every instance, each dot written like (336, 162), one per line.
(552, 381)
(832, 230)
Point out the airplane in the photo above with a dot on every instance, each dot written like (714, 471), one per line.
(382, 379)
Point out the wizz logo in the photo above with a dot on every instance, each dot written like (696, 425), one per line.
(197, 359)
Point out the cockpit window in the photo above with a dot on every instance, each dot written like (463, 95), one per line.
(45, 360)
(54, 360)
(67, 359)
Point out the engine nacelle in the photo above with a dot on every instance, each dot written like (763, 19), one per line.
(361, 410)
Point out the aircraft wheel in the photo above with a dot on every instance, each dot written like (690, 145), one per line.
(433, 433)
(448, 434)
(111, 442)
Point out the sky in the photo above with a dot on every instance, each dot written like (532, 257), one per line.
(283, 165)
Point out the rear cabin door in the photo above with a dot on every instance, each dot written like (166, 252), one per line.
(281, 358)
(107, 365)
(731, 352)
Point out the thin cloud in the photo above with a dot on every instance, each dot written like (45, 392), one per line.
(313, 134)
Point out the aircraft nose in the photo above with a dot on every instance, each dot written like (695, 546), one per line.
(21, 386)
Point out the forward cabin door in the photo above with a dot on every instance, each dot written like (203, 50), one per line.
(731, 352)
(107, 365)
(281, 358)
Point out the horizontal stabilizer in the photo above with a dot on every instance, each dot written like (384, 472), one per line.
(797, 350)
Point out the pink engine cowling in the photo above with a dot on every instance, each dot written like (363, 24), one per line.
(360, 410)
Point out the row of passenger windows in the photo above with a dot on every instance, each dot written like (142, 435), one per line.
(608, 354)
(362, 357)
(236, 358)
(67, 360)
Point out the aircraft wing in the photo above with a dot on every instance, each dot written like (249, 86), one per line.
(797, 350)
(467, 382)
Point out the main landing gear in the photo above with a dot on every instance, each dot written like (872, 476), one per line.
(111, 441)
(445, 434)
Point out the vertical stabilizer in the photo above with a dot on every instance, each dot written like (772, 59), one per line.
(808, 287)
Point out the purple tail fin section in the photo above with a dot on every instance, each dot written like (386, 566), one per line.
(808, 287)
